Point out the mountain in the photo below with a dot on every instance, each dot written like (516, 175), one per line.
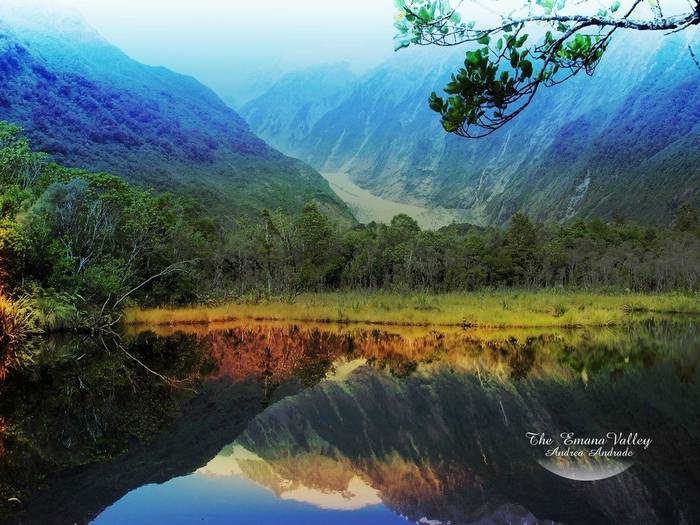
(289, 110)
(624, 141)
(446, 446)
(89, 105)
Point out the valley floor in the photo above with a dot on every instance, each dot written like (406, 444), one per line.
(488, 309)
(368, 207)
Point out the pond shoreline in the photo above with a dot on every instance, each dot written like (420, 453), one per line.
(479, 310)
(349, 322)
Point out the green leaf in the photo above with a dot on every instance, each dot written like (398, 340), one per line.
(484, 40)
(450, 126)
(453, 87)
(615, 6)
(473, 59)
(526, 68)
(436, 103)
(514, 59)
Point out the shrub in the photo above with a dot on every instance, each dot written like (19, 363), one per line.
(16, 326)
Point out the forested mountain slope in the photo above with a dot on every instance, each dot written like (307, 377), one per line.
(88, 104)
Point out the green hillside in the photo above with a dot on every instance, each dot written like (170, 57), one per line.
(89, 105)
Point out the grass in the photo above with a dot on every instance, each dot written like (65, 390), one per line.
(16, 325)
(487, 309)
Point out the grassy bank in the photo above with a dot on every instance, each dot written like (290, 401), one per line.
(484, 309)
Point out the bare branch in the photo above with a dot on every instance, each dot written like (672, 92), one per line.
(176, 267)
(692, 55)
(168, 380)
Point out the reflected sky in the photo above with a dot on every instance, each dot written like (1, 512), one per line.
(232, 499)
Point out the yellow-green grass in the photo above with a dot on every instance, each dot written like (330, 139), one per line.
(549, 308)
(16, 325)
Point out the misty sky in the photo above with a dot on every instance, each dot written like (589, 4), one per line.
(225, 43)
(238, 47)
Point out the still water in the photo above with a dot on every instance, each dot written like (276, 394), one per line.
(305, 424)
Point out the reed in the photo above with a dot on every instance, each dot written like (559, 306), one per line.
(488, 309)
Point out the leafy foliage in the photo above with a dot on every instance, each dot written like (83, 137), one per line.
(503, 74)
(78, 242)
(16, 326)
(400, 256)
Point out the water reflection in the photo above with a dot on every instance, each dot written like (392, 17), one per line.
(330, 424)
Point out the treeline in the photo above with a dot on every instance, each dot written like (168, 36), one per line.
(80, 246)
(308, 254)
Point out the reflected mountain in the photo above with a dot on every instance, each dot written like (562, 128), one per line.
(331, 423)
(450, 445)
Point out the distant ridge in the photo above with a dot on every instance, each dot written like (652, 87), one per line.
(622, 143)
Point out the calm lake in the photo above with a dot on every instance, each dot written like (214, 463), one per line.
(322, 424)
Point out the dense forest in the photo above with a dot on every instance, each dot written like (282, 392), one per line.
(77, 247)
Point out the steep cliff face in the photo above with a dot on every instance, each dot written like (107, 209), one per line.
(289, 110)
(89, 105)
(624, 140)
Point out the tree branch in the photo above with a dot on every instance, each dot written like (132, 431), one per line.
(169, 380)
(502, 76)
(176, 267)
(692, 55)
(460, 36)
